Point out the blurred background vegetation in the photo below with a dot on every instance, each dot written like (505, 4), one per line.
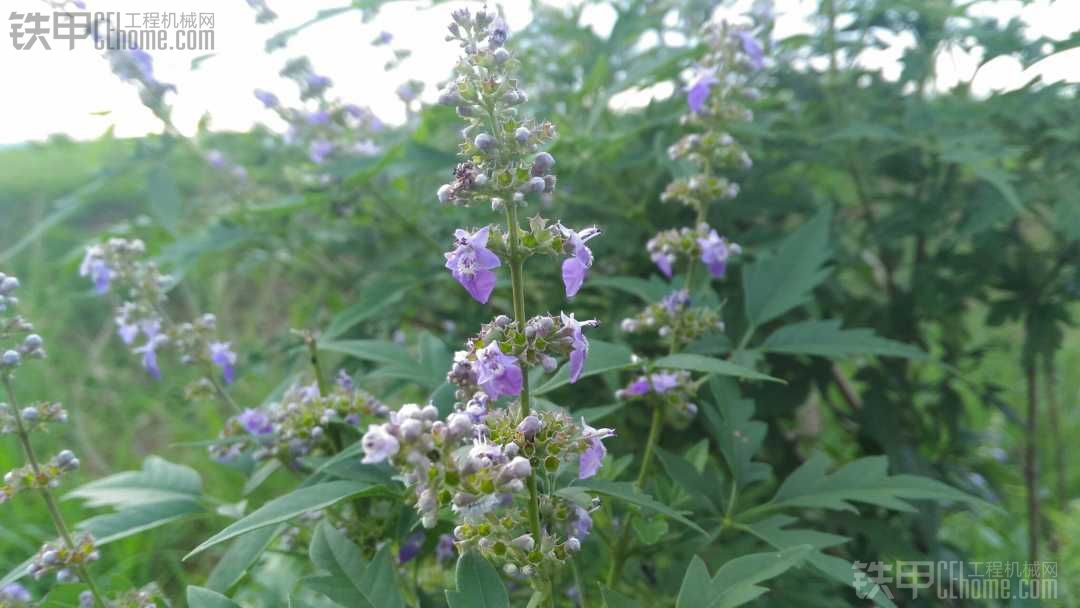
(955, 229)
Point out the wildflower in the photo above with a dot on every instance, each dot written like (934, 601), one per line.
(593, 456)
(378, 444)
(698, 92)
(579, 344)
(14, 592)
(154, 338)
(714, 253)
(383, 38)
(498, 373)
(255, 422)
(268, 99)
(445, 549)
(319, 150)
(222, 356)
(575, 267)
(410, 548)
(95, 267)
(471, 263)
(752, 48)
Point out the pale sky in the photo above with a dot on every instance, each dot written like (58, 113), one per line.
(74, 91)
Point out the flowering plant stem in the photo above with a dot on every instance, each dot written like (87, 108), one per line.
(517, 283)
(46, 494)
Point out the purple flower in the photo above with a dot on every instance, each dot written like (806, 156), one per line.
(637, 388)
(319, 150)
(344, 380)
(15, 593)
(675, 301)
(222, 356)
(497, 373)
(663, 382)
(383, 38)
(267, 98)
(752, 48)
(714, 253)
(575, 267)
(318, 117)
(579, 344)
(378, 444)
(582, 525)
(94, 266)
(126, 328)
(79, 4)
(152, 330)
(471, 263)
(593, 456)
(216, 158)
(255, 422)
(410, 548)
(663, 262)
(317, 81)
(445, 549)
(698, 92)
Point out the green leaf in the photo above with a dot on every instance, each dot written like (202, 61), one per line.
(686, 476)
(652, 290)
(1000, 181)
(378, 351)
(738, 437)
(825, 338)
(736, 582)
(284, 508)
(159, 480)
(138, 518)
(614, 599)
(372, 300)
(775, 284)
(241, 555)
(774, 532)
(478, 585)
(625, 491)
(166, 204)
(603, 357)
(649, 531)
(864, 480)
(375, 581)
(199, 597)
(709, 365)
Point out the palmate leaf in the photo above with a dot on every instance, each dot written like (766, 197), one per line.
(353, 581)
(739, 438)
(825, 338)
(736, 582)
(774, 531)
(865, 480)
(775, 284)
(297, 502)
(478, 585)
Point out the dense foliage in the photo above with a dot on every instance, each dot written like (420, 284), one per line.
(536, 347)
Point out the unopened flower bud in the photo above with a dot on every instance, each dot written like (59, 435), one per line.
(32, 342)
(542, 164)
(411, 429)
(510, 569)
(519, 468)
(525, 542)
(444, 193)
(522, 135)
(573, 545)
(536, 184)
(8, 285)
(484, 141)
(501, 55)
(549, 363)
(449, 97)
(459, 424)
(29, 414)
(10, 358)
(529, 427)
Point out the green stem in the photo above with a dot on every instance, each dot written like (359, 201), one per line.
(221, 392)
(46, 494)
(517, 282)
(313, 354)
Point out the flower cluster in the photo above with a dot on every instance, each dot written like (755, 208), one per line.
(142, 313)
(133, 65)
(674, 319)
(8, 285)
(44, 475)
(298, 424)
(136, 598)
(675, 391)
(491, 468)
(63, 559)
(14, 595)
(325, 128)
(701, 243)
(478, 471)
